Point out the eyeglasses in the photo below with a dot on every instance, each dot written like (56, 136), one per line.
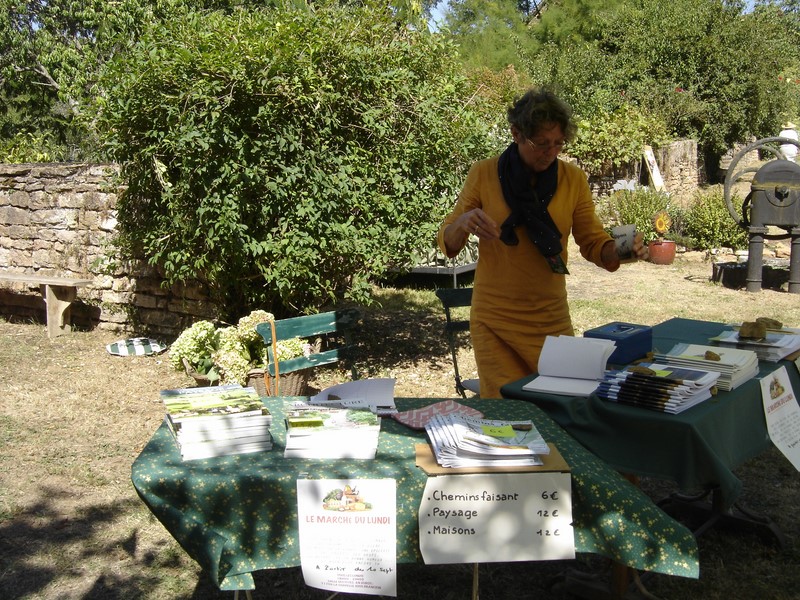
(545, 147)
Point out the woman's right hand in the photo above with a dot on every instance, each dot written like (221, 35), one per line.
(475, 222)
(478, 223)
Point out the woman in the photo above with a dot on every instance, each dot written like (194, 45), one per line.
(522, 206)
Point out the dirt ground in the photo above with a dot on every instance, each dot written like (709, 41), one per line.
(73, 419)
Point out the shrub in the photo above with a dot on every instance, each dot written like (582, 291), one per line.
(609, 140)
(287, 157)
(637, 206)
(29, 148)
(710, 225)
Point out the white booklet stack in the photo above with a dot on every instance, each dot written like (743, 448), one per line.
(462, 441)
(328, 432)
(661, 387)
(734, 365)
(775, 346)
(571, 366)
(217, 421)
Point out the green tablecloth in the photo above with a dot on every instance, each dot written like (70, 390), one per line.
(698, 449)
(236, 515)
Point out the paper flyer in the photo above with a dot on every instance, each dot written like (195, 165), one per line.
(783, 414)
(348, 534)
(375, 394)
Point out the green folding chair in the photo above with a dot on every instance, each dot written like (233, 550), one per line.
(456, 331)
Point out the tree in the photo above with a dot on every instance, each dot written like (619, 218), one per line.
(712, 69)
(287, 157)
(51, 52)
(702, 68)
(490, 33)
(575, 21)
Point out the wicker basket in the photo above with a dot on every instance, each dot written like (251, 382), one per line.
(294, 383)
(290, 384)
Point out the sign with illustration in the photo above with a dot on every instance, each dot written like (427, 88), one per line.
(348, 534)
(496, 518)
(782, 413)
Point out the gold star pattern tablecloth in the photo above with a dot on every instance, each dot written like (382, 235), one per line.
(238, 514)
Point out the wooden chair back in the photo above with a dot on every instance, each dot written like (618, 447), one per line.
(334, 327)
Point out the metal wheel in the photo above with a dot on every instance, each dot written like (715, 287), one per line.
(734, 176)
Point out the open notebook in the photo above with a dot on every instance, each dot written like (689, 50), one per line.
(571, 366)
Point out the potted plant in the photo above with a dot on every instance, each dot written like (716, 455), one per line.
(662, 251)
(230, 354)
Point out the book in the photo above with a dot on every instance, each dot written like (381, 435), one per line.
(458, 440)
(206, 422)
(658, 387)
(327, 432)
(571, 366)
(774, 346)
(210, 447)
(376, 394)
(212, 407)
(734, 365)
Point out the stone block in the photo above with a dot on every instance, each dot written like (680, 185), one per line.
(13, 215)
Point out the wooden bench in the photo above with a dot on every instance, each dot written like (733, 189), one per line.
(58, 294)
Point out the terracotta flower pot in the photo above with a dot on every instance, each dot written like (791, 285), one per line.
(662, 252)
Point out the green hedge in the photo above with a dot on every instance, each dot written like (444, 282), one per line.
(287, 156)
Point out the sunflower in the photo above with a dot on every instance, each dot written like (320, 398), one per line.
(662, 222)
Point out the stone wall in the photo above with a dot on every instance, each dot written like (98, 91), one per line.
(57, 219)
(679, 167)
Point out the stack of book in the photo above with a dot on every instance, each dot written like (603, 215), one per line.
(217, 421)
(458, 440)
(734, 365)
(328, 432)
(774, 346)
(660, 387)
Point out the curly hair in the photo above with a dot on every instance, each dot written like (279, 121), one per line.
(539, 107)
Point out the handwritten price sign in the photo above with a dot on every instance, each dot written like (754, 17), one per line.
(497, 517)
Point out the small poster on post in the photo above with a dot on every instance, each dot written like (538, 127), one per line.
(348, 534)
(782, 413)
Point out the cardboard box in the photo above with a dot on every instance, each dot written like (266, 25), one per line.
(633, 341)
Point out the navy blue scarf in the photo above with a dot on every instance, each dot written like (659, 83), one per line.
(528, 205)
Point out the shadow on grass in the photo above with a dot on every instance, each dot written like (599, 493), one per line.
(70, 542)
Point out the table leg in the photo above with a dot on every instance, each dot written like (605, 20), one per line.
(620, 580)
(704, 515)
(615, 584)
(58, 299)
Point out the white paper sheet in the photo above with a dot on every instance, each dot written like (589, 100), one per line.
(348, 534)
(782, 414)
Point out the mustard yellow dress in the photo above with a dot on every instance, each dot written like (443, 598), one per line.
(517, 299)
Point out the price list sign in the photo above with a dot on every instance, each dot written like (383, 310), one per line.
(496, 517)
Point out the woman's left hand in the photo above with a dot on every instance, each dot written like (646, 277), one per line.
(639, 247)
(610, 258)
